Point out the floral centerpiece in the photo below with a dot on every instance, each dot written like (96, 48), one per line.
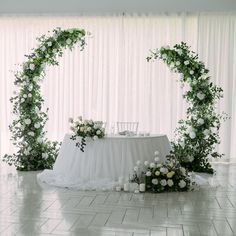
(84, 129)
(162, 177)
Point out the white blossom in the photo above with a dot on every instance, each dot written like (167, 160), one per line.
(200, 121)
(191, 72)
(37, 125)
(138, 163)
(192, 135)
(44, 156)
(163, 170)
(31, 133)
(95, 137)
(183, 170)
(186, 63)
(200, 95)
(182, 183)
(157, 173)
(163, 182)
(206, 132)
(98, 132)
(152, 165)
(155, 181)
(43, 48)
(164, 56)
(39, 140)
(29, 95)
(170, 182)
(54, 50)
(148, 173)
(49, 44)
(177, 63)
(27, 121)
(68, 41)
(24, 96)
(146, 163)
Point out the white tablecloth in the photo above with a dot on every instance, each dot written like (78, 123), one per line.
(103, 161)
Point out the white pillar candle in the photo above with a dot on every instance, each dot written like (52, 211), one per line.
(118, 188)
(121, 181)
(142, 187)
(126, 187)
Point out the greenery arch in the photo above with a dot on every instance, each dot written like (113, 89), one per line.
(35, 152)
(197, 136)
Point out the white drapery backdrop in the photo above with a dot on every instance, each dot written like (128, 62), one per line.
(111, 79)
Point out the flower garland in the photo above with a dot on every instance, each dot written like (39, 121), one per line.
(86, 128)
(197, 136)
(35, 152)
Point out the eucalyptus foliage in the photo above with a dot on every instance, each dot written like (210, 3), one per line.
(197, 136)
(34, 150)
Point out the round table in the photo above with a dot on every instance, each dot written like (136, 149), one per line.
(103, 161)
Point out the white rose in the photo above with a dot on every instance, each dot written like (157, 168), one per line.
(152, 165)
(192, 135)
(186, 63)
(32, 66)
(29, 95)
(146, 163)
(98, 132)
(43, 48)
(148, 173)
(39, 140)
(49, 44)
(44, 155)
(37, 110)
(157, 173)
(138, 163)
(68, 41)
(191, 72)
(200, 121)
(163, 182)
(213, 129)
(182, 183)
(170, 182)
(180, 51)
(206, 132)
(31, 133)
(156, 153)
(155, 181)
(136, 168)
(177, 63)
(163, 170)
(27, 121)
(95, 137)
(37, 125)
(200, 95)
(156, 159)
(25, 96)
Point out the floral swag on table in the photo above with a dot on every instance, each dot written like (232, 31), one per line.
(198, 135)
(35, 152)
(86, 129)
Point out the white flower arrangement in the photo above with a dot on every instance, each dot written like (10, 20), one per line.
(163, 176)
(84, 129)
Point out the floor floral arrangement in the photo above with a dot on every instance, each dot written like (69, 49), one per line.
(86, 129)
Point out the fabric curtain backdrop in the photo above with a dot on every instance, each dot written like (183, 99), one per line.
(111, 79)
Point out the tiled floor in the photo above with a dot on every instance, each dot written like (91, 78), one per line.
(29, 208)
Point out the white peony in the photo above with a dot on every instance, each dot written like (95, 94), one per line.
(156, 153)
(49, 44)
(163, 182)
(148, 173)
(37, 125)
(146, 163)
(68, 41)
(170, 182)
(200, 121)
(200, 96)
(155, 181)
(32, 66)
(182, 183)
(156, 159)
(136, 168)
(186, 63)
(27, 121)
(152, 165)
(192, 135)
